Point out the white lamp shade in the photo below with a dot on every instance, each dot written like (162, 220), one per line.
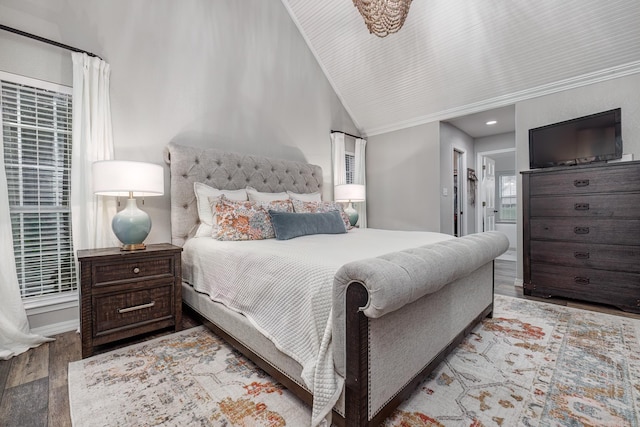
(119, 178)
(349, 193)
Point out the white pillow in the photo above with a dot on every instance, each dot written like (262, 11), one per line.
(259, 196)
(203, 192)
(305, 197)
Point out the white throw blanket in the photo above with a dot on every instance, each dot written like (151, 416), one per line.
(284, 288)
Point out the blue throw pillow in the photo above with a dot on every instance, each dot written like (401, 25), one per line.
(288, 225)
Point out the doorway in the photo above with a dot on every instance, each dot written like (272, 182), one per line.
(458, 192)
(498, 196)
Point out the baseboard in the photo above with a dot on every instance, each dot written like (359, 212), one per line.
(518, 283)
(57, 328)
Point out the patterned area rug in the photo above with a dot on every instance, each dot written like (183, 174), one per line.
(532, 364)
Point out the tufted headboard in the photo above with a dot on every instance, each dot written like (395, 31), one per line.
(228, 171)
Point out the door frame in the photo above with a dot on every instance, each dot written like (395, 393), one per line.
(479, 161)
(462, 191)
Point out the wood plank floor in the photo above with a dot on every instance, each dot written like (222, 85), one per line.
(34, 388)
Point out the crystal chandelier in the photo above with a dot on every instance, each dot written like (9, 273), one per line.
(383, 17)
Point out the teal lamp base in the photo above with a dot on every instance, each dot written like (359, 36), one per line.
(131, 226)
(352, 214)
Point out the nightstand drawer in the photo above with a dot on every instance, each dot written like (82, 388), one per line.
(131, 309)
(144, 268)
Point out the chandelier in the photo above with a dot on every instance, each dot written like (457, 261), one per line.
(383, 17)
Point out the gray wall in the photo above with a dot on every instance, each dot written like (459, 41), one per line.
(620, 92)
(228, 74)
(453, 138)
(403, 178)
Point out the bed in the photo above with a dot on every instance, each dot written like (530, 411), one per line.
(412, 298)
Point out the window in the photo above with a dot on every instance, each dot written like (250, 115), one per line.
(36, 130)
(350, 166)
(506, 197)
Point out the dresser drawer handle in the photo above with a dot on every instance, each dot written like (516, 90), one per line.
(581, 183)
(581, 255)
(581, 280)
(581, 230)
(136, 270)
(581, 206)
(136, 307)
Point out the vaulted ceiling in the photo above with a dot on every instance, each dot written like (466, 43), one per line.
(456, 57)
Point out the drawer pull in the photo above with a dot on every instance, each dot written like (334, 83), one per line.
(136, 270)
(581, 230)
(136, 307)
(579, 280)
(581, 255)
(581, 206)
(581, 183)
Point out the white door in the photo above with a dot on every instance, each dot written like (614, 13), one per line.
(489, 193)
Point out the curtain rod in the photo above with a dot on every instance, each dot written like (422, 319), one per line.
(42, 39)
(348, 134)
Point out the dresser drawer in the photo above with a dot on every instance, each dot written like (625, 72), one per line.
(584, 206)
(587, 180)
(610, 287)
(132, 269)
(606, 231)
(131, 309)
(604, 257)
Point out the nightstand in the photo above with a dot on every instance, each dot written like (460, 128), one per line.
(124, 294)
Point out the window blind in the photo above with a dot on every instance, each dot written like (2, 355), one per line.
(350, 166)
(36, 129)
(508, 198)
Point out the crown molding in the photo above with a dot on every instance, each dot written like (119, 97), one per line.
(509, 99)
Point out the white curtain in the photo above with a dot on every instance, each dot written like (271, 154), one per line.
(360, 177)
(92, 141)
(15, 336)
(339, 164)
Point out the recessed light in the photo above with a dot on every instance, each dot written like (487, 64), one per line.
(491, 122)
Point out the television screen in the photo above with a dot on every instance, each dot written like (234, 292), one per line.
(586, 139)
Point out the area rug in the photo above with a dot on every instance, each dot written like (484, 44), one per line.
(533, 364)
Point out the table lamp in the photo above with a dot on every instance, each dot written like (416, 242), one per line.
(350, 193)
(124, 178)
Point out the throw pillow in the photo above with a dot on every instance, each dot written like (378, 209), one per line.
(305, 197)
(259, 196)
(205, 213)
(245, 220)
(320, 207)
(290, 225)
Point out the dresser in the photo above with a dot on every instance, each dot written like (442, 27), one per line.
(127, 293)
(581, 229)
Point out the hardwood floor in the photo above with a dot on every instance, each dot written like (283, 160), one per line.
(34, 388)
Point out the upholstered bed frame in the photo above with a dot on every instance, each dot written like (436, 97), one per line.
(435, 296)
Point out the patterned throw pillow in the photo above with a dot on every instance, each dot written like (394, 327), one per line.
(245, 220)
(319, 207)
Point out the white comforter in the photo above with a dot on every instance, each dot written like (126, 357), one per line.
(284, 289)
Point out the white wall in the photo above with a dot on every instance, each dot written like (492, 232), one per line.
(510, 231)
(453, 138)
(621, 92)
(495, 142)
(403, 176)
(229, 74)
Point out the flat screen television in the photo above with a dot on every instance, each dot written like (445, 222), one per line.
(593, 138)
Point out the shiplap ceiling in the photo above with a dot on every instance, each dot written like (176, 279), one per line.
(457, 57)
